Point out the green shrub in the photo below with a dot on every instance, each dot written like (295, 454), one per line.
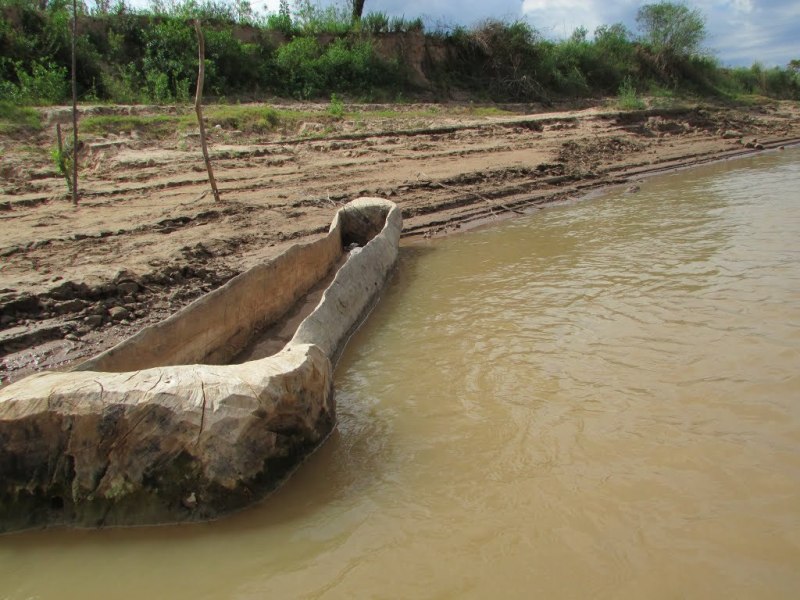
(232, 65)
(613, 57)
(627, 98)
(62, 159)
(307, 70)
(402, 25)
(296, 64)
(46, 83)
(123, 85)
(280, 22)
(141, 56)
(336, 107)
(375, 22)
(170, 60)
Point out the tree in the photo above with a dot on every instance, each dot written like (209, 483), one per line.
(672, 34)
(672, 29)
(358, 9)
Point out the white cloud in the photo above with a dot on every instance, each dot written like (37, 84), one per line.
(560, 18)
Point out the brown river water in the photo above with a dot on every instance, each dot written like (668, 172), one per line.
(601, 400)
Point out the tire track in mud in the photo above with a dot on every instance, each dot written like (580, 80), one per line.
(283, 191)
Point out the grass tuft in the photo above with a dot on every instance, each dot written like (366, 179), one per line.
(152, 126)
(18, 119)
(627, 98)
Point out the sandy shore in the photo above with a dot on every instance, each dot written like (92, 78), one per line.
(147, 238)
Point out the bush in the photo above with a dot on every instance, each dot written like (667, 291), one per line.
(128, 56)
(170, 60)
(295, 63)
(308, 70)
(336, 107)
(44, 84)
(123, 85)
(509, 55)
(616, 57)
(280, 22)
(232, 65)
(627, 98)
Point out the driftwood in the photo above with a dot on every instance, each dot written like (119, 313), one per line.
(198, 107)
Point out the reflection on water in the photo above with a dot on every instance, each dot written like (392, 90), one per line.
(601, 400)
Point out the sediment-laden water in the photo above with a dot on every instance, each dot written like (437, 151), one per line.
(600, 400)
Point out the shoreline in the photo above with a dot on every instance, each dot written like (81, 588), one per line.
(147, 239)
(584, 192)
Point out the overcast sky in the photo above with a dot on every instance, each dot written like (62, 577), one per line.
(739, 31)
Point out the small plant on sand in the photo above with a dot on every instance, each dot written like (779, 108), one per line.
(336, 107)
(62, 159)
(627, 98)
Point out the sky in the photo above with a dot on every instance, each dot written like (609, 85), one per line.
(740, 32)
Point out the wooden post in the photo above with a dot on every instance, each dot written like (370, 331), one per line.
(198, 107)
(74, 106)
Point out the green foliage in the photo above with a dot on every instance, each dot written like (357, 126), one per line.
(672, 33)
(672, 28)
(250, 119)
(230, 62)
(510, 55)
(308, 70)
(310, 19)
(280, 22)
(627, 98)
(376, 22)
(402, 25)
(43, 84)
(615, 57)
(336, 107)
(130, 56)
(220, 11)
(155, 126)
(170, 61)
(62, 159)
(122, 85)
(773, 82)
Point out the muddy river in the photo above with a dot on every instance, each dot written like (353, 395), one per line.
(601, 400)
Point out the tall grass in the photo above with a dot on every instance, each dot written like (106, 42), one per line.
(18, 119)
(627, 98)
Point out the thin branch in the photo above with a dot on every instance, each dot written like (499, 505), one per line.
(198, 106)
(74, 106)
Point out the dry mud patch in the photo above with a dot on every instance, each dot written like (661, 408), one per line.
(147, 238)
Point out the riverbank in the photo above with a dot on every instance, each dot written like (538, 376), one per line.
(147, 237)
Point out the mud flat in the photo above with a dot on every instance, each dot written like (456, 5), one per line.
(145, 241)
(161, 429)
